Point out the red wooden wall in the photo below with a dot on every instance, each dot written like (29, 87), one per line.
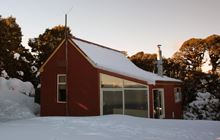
(83, 85)
(48, 98)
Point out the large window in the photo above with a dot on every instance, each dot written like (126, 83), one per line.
(61, 88)
(119, 96)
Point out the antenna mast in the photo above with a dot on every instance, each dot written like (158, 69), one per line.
(66, 59)
(65, 26)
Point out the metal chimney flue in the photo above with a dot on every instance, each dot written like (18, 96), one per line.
(159, 62)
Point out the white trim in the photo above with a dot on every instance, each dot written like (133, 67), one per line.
(112, 89)
(148, 101)
(58, 83)
(101, 102)
(136, 88)
(163, 98)
(100, 97)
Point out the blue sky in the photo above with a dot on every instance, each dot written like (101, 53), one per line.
(128, 25)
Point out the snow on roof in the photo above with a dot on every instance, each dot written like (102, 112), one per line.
(115, 61)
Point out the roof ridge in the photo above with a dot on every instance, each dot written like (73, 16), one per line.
(96, 44)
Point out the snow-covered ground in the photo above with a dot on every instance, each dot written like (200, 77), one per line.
(112, 127)
(19, 122)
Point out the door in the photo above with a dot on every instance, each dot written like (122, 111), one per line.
(158, 99)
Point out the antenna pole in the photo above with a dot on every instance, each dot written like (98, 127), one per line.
(65, 26)
(66, 57)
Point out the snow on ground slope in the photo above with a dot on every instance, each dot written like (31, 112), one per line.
(112, 127)
(14, 100)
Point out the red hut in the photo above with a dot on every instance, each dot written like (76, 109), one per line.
(82, 78)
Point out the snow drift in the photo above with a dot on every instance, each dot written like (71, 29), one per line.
(15, 100)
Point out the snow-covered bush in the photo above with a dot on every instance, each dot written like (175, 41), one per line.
(4, 74)
(22, 87)
(15, 100)
(206, 106)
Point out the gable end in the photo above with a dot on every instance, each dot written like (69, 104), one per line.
(48, 59)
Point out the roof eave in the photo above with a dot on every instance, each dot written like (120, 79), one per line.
(179, 82)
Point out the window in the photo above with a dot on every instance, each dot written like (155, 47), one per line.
(61, 88)
(131, 84)
(120, 96)
(177, 94)
(110, 81)
(112, 102)
(136, 102)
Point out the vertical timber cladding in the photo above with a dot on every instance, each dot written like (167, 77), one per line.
(83, 84)
(151, 100)
(54, 66)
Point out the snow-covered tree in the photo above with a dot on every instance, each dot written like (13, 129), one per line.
(205, 107)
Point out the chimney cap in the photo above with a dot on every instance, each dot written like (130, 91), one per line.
(159, 45)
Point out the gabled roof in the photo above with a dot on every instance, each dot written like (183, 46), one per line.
(112, 60)
(115, 61)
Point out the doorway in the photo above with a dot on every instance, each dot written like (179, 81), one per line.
(158, 106)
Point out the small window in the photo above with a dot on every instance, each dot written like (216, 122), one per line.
(177, 94)
(61, 88)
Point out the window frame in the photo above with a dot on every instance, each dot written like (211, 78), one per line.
(123, 88)
(58, 84)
